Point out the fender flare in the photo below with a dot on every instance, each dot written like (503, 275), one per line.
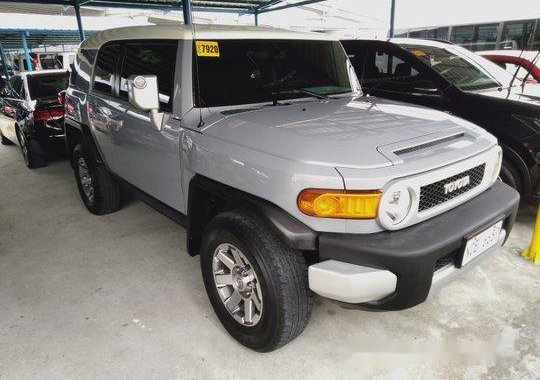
(207, 198)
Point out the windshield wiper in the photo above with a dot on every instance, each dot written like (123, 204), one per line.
(301, 91)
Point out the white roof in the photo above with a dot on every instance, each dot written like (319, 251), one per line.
(202, 32)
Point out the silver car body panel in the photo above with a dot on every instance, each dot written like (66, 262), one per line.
(276, 151)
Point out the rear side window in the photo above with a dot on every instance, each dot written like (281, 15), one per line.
(104, 69)
(151, 58)
(45, 86)
(82, 68)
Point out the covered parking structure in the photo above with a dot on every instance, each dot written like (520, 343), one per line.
(253, 7)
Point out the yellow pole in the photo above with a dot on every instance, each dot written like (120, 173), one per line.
(532, 252)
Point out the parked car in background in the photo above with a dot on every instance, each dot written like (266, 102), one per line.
(525, 63)
(288, 180)
(450, 78)
(32, 116)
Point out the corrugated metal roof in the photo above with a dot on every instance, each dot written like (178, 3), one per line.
(22, 6)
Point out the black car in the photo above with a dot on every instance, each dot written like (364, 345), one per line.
(32, 116)
(450, 78)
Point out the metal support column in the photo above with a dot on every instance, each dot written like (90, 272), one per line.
(256, 14)
(79, 21)
(186, 10)
(4, 61)
(392, 18)
(25, 33)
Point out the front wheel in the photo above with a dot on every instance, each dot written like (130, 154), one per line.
(257, 285)
(98, 189)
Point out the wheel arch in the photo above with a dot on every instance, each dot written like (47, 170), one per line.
(77, 133)
(519, 164)
(207, 198)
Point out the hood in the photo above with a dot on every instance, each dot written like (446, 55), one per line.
(360, 133)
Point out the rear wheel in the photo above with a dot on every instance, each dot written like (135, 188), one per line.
(510, 176)
(257, 285)
(29, 149)
(97, 188)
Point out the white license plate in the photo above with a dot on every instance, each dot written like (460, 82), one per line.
(480, 243)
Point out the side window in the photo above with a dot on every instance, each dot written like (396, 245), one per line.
(16, 84)
(104, 69)
(391, 67)
(155, 58)
(82, 68)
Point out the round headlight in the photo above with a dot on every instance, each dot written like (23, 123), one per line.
(139, 82)
(395, 206)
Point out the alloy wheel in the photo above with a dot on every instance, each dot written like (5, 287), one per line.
(85, 179)
(24, 147)
(237, 284)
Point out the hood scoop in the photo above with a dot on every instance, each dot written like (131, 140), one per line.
(428, 145)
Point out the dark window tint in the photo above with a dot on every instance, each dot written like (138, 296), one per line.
(155, 58)
(515, 34)
(536, 39)
(438, 34)
(462, 35)
(47, 85)
(253, 71)
(485, 37)
(104, 70)
(459, 70)
(419, 34)
(384, 71)
(82, 68)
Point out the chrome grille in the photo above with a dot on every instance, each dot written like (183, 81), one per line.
(433, 194)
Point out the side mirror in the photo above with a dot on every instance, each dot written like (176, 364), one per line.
(144, 95)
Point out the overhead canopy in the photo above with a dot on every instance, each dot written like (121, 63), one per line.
(11, 38)
(243, 6)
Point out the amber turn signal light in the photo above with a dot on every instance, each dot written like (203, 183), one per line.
(342, 204)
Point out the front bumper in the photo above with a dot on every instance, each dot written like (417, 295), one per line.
(400, 266)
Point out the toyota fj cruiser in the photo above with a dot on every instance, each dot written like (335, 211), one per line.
(288, 180)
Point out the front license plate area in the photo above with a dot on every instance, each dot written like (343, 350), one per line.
(480, 243)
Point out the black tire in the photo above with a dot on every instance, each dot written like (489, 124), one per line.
(4, 140)
(29, 149)
(105, 192)
(281, 273)
(510, 175)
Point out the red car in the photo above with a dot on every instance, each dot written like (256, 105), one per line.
(511, 59)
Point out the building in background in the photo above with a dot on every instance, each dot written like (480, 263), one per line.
(511, 35)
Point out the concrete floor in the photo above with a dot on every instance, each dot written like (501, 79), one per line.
(112, 297)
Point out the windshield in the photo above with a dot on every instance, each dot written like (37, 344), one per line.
(254, 71)
(464, 69)
(47, 85)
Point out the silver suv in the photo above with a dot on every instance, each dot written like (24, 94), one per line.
(288, 179)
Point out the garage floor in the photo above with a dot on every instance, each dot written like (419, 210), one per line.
(117, 297)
